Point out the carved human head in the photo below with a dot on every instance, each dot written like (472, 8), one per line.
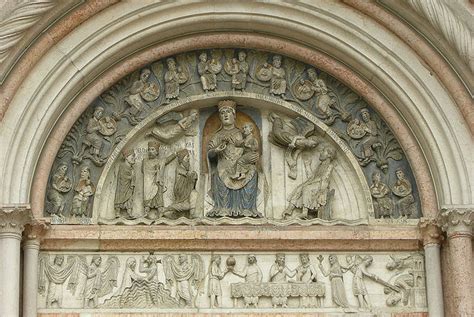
(62, 169)
(85, 172)
(131, 263)
(247, 129)
(129, 155)
(193, 114)
(251, 259)
(182, 258)
(153, 148)
(227, 112)
(280, 259)
(59, 260)
(277, 61)
(368, 260)
(400, 174)
(312, 75)
(332, 259)
(328, 152)
(97, 260)
(145, 74)
(304, 258)
(171, 63)
(203, 57)
(242, 56)
(216, 258)
(365, 114)
(98, 112)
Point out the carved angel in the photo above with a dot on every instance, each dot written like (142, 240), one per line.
(294, 135)
(52, 276)
(99, 281)
(187, 275)
(173, 126)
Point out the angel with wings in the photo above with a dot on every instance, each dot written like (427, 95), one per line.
(99, 282)
(295, 135)
(187, 275)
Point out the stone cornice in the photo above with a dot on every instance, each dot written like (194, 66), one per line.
(431, 232)
(14, 218)
(457, 221)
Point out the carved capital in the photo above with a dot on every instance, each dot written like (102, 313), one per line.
(14, 218)
(36, 230)
(431, 232)
(457, 222)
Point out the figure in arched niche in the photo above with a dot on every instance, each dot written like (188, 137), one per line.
(232, 197)
(60, 184)
(294, 135)
(403, 190)
(383, 204)
(314, 195)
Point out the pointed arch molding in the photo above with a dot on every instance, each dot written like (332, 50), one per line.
(125, 37)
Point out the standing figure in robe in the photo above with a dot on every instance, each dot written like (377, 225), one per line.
(60, 184)
(278, 80)
(403, 190)
(173, 78)
(335, 274)
(125, 185)
(383, 205)
(208, 69)
(56, 274)
(215, 277)
(153, 180)
(232, 197)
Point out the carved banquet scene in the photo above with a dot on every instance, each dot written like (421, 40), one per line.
(247, 158)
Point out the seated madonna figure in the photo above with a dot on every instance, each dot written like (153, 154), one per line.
(233, 197)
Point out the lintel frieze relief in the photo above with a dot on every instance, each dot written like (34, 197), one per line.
(231, 136)
(232, 282)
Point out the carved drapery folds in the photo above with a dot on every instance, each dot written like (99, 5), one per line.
(152, 149)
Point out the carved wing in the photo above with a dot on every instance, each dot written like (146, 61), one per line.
(302, 126)
(109, 276)
(198, 266)
(79, 271)
(168, 263)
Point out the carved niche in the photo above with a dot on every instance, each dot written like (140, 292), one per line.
(230, 136)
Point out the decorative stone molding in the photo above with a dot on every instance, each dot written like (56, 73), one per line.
(14, 218)
(431, 232)
(457, 221)
(443, 19)
(22, 18)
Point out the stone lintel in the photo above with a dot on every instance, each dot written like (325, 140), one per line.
(457, 221)
(144, 238)
(13, 219)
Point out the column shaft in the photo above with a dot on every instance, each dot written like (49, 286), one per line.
(10, 274)
(434, 286)
(460, 249)
(30, 277)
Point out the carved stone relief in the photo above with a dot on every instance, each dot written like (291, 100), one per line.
(221, 161)
(352, 282)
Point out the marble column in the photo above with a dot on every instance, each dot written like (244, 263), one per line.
(12, 223)
(457, 223)
(431, 235)
(31, 246)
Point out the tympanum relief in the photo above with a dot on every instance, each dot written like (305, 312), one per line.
(350, 283)
(230, 136)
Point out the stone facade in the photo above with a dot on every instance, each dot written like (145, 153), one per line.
(285, 158)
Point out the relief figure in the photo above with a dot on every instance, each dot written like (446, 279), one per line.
(250, 156)
(306, 273)
(275, 74)
(125, 185)
(60, 184)
(98, 130)
(238, 68)
(403, 190)
(54, 275)
(187, 276)
(314, 194)
(184, 185)
(174, 77)
(252, 275)
(335, 274)
(84, 190)
(215, 276)
(153, 180)
(279, 273)
(232, 197)
(367, 132)
(208, 69)
(169, 130)
(358, 266)
(142, 89)
(383, 204)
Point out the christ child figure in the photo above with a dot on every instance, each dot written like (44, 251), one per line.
(250, 155)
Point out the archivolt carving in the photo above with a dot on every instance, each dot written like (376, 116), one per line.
(445, 21)
(266, 140)
(19, 21)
